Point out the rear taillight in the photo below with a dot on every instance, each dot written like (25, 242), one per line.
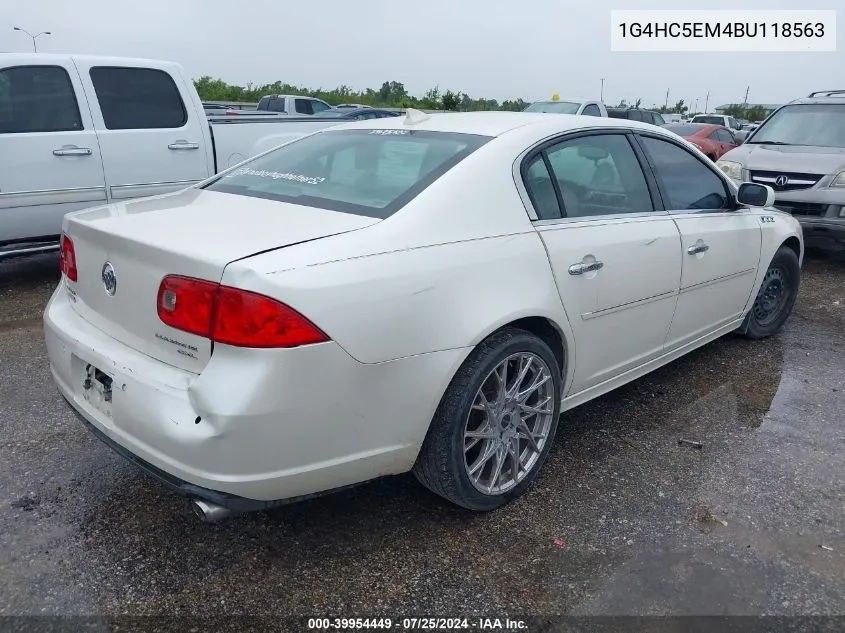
(232, 316)
(67, 257)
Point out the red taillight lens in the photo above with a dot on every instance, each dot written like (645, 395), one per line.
(185, 304)
(67, 257)
(232, 316)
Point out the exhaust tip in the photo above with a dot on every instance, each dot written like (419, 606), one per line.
(209, 512)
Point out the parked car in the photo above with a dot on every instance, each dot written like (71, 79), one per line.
(337, 312)
(799, 151)
(635, 114)
(673, 117)
(292, 105)
(351, 105)
(569, 106)
(78, 131)
(359, 114)
(717, 119)
(713, 140)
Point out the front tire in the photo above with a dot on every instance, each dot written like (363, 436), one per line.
(494, 427)
(776, 297)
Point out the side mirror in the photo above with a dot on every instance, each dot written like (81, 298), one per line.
(751, 194)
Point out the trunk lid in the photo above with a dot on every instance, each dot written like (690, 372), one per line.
(194, 233)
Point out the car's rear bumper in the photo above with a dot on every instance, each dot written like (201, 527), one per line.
(256, 426)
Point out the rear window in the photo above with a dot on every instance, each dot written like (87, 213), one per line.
(711, 120)
(682, 129)
(365, 172)
(556, 107)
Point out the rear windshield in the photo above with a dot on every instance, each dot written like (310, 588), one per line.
(684, 129)
(365, 172)
(557, 107)
(712, 120)
(818, 125)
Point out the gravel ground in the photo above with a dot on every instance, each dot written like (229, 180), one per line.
(622, 520)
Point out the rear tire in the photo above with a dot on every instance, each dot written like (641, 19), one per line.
(477, 453)
(776, 297)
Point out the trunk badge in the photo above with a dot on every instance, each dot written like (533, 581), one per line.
(109, 279)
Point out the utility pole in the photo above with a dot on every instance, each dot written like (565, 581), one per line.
(707, 102)
(745, 103)
(666, 105)
(601, 97)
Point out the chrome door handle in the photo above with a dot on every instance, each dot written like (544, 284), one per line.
(698, 247)
(72, 151)
(581, 267)
(183, 145)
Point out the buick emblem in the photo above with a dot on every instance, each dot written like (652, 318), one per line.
(109, 279)
(782, 181)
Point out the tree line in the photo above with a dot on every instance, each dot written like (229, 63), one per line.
(392, 94)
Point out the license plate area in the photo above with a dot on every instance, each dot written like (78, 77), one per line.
(97, 389)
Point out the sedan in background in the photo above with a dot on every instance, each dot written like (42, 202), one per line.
(358, 114)
(713, 140)
(423, 293)
(557, 105)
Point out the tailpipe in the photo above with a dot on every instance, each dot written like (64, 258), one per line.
(209, 512)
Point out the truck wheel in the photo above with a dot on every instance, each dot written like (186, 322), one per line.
(495, 424)
(776, 296)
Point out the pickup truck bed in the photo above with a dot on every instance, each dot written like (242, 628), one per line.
(82, 131)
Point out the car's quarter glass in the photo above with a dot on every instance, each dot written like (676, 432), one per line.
(615, 258)
(720, 240)
(50, 160)
(145, 108)
(366, 172)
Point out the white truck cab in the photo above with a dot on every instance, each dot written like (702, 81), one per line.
(78, 131)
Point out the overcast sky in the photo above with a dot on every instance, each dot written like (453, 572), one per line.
(492, 48)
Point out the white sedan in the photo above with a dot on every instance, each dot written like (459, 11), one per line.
(425, 293)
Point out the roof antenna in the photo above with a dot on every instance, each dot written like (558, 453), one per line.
(412, 116)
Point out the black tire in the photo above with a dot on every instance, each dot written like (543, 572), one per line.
(760, 322)
(440, 466)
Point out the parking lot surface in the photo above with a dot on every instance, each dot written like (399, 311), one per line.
(622, 520)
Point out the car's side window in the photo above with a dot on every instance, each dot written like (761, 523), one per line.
(596, 175)
(37, 99)
(303, 106)
(686, 182)
(138, 98)
(658, 120)
(725, 136)
(592, 110)
(538, 182)
(319, 106)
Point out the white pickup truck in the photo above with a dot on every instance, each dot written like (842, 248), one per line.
(77, 131)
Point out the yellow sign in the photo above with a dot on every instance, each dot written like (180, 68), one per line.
(555, 97)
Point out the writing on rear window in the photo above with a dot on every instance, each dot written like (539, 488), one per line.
(389, 132)
(276, 175)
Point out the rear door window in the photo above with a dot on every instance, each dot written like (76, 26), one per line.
(366, 172)
(138, 98)
(304, 106)
(37, 99)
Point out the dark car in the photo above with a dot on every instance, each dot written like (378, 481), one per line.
(358, 114)
(635, 114)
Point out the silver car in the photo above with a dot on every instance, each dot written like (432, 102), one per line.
(799, 151)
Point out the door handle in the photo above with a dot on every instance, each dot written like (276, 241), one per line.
(582, 267)
(183, 145)
(698, 247)
(72, 151)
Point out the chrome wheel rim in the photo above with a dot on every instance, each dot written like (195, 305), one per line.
(509, 423)
(772, 296)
